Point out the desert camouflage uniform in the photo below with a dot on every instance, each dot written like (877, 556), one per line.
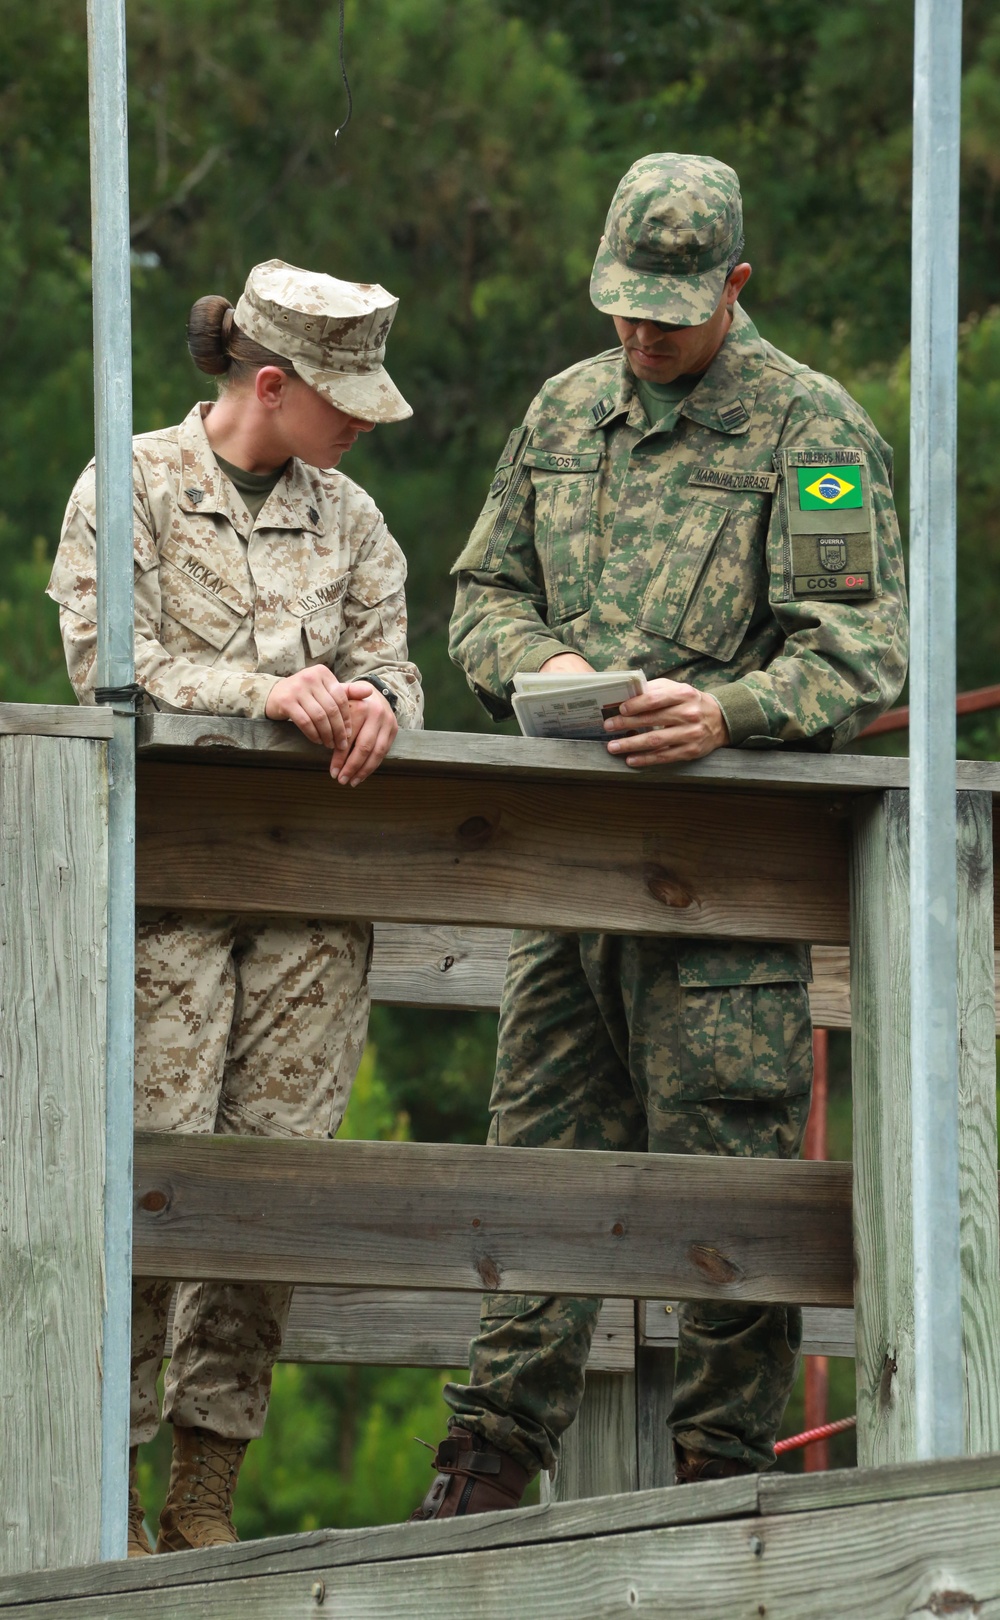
(685, 549)
(244, 1026)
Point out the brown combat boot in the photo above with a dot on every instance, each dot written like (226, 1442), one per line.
(692, 1466)
(474, 1477)
(199, 1506)
(138, 1541)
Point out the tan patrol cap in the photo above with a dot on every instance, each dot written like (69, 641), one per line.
(674, 224)
(334, 333)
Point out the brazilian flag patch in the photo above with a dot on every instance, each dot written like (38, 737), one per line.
(823, 489)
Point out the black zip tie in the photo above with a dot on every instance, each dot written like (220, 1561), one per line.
(129, 696)
(343, 73)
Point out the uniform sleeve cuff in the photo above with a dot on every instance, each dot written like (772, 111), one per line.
(743, 714)
(539, 654)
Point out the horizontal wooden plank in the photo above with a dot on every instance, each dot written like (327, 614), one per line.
(371, 1327)
(825, 1331)
(878, 1561)
(557, 1523)
(419, 965)
(418, 1215)
(475, 753)
(422, 965)
(55, 720)
(494, 851)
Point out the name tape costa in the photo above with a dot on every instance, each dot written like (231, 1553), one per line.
(832, 584)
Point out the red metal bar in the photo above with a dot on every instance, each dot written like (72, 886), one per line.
(984, 697)
(817, 1390)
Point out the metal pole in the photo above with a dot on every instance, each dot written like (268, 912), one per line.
(115, 674)
(940, 1425)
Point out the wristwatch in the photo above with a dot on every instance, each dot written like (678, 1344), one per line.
(391, 697)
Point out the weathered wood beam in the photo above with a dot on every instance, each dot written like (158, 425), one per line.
(472, 753)
(53, 888)
(736, 1501)
(825, 1332)
(933, 1555)
(493, 851)
(417, 1215)
(882, 1135)
(373, 1327)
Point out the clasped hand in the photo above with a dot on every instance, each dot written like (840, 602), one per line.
(672, 722)
(353, 720)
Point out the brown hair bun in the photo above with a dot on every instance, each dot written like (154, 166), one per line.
(209, 327)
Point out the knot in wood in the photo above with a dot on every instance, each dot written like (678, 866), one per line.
(488, 1272)
(618, 1230)
(475, 832)
(445, 963)
(957, 1605)
(667, 888)
(713, 1265)
(154, 1201)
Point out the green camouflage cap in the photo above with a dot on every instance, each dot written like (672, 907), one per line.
(673, 225)
(334, 333)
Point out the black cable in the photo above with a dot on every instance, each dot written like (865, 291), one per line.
(343, 74)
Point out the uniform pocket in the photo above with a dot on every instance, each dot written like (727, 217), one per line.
(707, 577)
(321, 631)
(745, 1043)
(200, 610)
(564, 515)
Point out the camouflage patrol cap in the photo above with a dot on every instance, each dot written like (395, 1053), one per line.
(672, 228)
(334, 333)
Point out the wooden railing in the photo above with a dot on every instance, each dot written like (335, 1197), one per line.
(455, 835)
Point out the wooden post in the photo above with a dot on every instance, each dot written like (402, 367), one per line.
(598, 1452)
(53, 865)
(977, 1124)
(882, 1173)
(654, 1396)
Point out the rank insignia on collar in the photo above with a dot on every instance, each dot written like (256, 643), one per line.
(605, 405)
(195, 496)
(734, 416)
(833, 553)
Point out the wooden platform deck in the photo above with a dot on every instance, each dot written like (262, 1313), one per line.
(920, 1540)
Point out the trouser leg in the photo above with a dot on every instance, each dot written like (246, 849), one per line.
(184, 996)
(723, 1069)
(298, 1032)
(559, 1083)
(592, 1053)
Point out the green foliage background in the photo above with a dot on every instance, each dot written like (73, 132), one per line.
(473, 180)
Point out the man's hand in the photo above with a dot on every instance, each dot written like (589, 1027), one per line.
(674, 722)
(373, 730)
(315, 701)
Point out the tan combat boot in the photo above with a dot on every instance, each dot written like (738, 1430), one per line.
(199, 1506)
(138, 1541)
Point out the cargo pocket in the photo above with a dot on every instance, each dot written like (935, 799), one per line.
(709, 572)
(748, 1043)
(565, 499)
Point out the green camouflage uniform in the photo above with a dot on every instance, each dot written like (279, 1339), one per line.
(745, 543)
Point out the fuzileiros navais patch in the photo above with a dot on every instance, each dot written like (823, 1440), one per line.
(826, 514)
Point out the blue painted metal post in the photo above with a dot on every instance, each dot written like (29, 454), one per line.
(933, 880)
(115, 674)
